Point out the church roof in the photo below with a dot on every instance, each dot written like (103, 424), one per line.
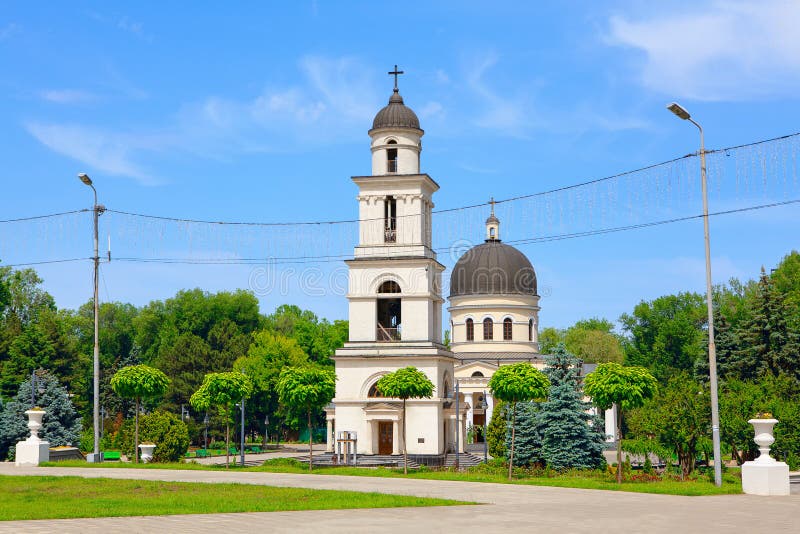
(396, 115)
(493, 268)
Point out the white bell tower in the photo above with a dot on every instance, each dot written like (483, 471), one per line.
(395, 300)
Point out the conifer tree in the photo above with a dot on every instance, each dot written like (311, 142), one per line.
(61, 424)
(528, 450)
(496, 432)
(569, 440)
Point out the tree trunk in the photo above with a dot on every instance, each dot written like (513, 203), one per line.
(619, 443)
(310, 444)
(227, 441)
(136, 434)
(405, 450)
(513, 429)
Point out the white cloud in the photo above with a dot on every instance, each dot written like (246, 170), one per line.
(725, 50)
(66, 96)
(508, 114)
(103, 151)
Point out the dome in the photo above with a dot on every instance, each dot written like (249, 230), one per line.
(396, 115)
(493, 268)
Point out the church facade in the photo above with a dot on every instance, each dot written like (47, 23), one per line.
(395, 309)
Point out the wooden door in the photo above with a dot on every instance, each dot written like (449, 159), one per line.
(385, 437)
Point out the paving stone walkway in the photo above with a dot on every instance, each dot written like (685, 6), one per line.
(505, 508)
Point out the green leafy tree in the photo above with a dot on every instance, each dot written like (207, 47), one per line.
(571, 437)
(318, 338)
(138, 382)
(268, 354)
(222, 390)
(61, 424)
(307, 389)
(406, 383)
(613, 385)
(593, 346)
(678, 417)
(667, 335)
(518, 382)
(549, 338)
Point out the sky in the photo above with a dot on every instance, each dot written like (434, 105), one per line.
(259, 111)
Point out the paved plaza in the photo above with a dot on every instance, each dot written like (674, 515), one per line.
(504, 508)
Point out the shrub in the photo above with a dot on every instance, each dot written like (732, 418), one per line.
(496, 433)
(164, 429)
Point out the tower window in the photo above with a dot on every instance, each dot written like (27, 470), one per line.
(507, 329)
(390, 220)
(389, 286)
(530, 330)
(391, 157)
(470, 330)
(488, 329)
(491, 233)
(477, 374)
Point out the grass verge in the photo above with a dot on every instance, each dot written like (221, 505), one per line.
(46, 497)
(576, 479)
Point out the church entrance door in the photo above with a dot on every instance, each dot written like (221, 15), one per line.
(385, 437)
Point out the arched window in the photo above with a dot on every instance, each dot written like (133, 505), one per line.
(530, 330)
(373, 392)
(488, 329)
(470, 330)
(391, 157)
(389, 286)
(507, 328)
(390, 220)
(477, 374)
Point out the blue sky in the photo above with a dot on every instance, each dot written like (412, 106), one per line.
(259, 112)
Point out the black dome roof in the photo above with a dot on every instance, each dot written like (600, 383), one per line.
(493, 268)
(396, 115)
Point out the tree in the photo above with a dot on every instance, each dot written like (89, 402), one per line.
(61, 424)
(666, 334)
(528, 439)
(593, 346)
(138, 382)
(307, 389)
(515, 383)
(406, 383)
(268, 354)
(165, 429)
(570, 435)
(678, 417)
(612, 385)
(549, 338)
(223, 390)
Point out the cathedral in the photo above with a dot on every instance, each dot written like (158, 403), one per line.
(395, 309)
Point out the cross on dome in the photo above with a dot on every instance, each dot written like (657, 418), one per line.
(395, 73)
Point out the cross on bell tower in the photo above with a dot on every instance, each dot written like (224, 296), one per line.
(395, 73)
(492, 224)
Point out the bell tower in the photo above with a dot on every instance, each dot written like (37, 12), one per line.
(394, 292)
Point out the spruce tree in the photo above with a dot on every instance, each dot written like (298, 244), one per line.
(528, 446)
(61, 424)
(571, 437)
(496, 432)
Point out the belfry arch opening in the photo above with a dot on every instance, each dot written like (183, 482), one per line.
(389, 312)
(391, 156)
(390, 220)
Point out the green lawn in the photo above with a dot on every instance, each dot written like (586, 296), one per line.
(34, 497)
(585, 480)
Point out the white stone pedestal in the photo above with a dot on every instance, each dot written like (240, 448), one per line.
(765, 475)
(147, 451)
(765, 478)
(33, 450)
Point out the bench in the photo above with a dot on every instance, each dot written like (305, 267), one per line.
(111, 455)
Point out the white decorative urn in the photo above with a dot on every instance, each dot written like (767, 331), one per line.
(33, 450)
(147, 451)
(764, 438)
(765, 475)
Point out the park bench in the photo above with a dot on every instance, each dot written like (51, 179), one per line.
(111, 455)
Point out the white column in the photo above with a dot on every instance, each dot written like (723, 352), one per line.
(463, 430)
(611, 425)
(395, 437)
(367, 447)
(330, 440)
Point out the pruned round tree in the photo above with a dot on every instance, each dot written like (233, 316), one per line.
(138, 382)
(515, 383)
(620, 387)
(222, 390)
(406, 383)
(306, 389)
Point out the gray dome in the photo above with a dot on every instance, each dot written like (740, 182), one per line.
(396, 115)
(493, 268)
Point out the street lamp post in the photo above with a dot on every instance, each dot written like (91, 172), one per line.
(241, 437)
(680, 112)
(97, 209)
(205, 422)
